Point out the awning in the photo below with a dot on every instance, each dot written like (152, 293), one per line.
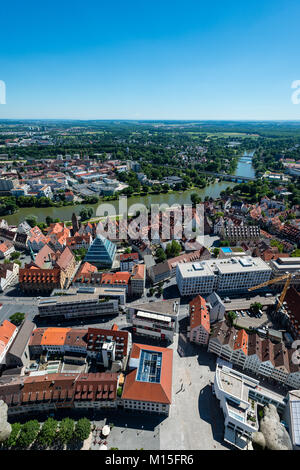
(105, 430)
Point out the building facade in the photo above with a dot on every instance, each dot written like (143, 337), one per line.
(221, 276)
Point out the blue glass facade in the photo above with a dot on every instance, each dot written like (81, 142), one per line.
(101, 252)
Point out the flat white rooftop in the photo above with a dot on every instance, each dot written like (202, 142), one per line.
(153, 316)
(223, 266)
(195, 269)
(243, 264)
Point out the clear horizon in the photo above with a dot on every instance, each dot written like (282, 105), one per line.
(164, 61)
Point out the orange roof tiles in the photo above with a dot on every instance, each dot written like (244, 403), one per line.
(121, 277)
(6, 331)
(150, 391)
(87, 268)
(5, 246)
(55, 336)
(199, 314)
(129, 256)
(138, 271)
(241, 341)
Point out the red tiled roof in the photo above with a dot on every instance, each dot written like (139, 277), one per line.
(5, 246)
(129, 256)
(292, 300)
(138, 271)
(86, 268)
(241, 341)
(54, 336)
(199, 314)
(121, 277)
(43, 255)
(7, 329)
(65, 259)
(149, 391)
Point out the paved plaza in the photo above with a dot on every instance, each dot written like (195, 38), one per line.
(195, 420)
(129, 432)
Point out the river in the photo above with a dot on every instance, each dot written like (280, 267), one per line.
(244, 168)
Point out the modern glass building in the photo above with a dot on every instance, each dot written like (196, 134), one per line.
(101, 252)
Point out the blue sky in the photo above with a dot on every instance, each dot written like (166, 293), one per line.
(164, 59)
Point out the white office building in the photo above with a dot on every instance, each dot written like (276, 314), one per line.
(239, 396)
(221, 275)
(240, 412)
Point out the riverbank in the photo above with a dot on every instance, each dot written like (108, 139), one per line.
(213, 190)
(65, 212)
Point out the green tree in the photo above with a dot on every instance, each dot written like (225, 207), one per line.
(83, 214)
(195, 199)
(255, 307)
(47, 434)
(216, 252)
(161, 255)
(49, 220)
(15, 255)
(231, 317)
(86, 213)
(80, 253)
(66, 430)
(82, 429)
(17, 318)
(173, 249)
(13, 438)
(159, 291)
(224, 243)
(28, 433)
(31, 220)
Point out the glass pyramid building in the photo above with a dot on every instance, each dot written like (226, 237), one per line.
(101, 253)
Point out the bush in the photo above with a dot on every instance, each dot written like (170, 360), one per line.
(15, 255)
(17, 318)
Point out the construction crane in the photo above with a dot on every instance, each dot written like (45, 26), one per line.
(288, 278)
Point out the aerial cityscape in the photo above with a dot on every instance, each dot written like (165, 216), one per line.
(149, 263)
